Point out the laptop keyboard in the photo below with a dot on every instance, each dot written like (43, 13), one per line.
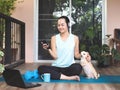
(32, 85)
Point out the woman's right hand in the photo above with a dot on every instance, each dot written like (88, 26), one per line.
(45, 45)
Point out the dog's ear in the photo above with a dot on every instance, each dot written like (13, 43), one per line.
(82, 52)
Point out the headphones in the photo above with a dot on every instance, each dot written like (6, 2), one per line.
(66, 20)
(69, 24)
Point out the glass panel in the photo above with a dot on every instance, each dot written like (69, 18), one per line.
(49, 10)
(15, 41)
(87, 18)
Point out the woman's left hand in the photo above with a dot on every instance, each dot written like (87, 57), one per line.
(88, 57)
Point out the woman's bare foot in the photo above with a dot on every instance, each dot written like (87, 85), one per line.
(75, 77)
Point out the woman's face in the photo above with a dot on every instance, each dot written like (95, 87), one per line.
(62, 25)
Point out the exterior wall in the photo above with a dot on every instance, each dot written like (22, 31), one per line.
(113, 16)
(25, 12)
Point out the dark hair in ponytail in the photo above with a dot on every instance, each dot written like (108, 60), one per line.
(66, 19)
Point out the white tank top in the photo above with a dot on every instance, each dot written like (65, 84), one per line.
(65, 51)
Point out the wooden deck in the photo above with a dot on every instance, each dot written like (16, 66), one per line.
(112, 70)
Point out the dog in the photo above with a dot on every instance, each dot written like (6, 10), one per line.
(88, 68)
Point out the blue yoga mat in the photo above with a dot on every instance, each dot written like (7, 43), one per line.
(105, 79)
(102, 79)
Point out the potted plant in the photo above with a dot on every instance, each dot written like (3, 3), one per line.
(1, 65)
(115, 56)
(115, 53)
(101, 55)
(6, 7)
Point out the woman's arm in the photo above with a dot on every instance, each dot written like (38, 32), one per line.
(76, 51)
(53, 51)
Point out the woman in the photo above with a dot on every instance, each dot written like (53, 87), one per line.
(64, 47)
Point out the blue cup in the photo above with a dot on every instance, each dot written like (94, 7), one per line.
(46, 77)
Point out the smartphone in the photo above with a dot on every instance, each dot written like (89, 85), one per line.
(44, 42)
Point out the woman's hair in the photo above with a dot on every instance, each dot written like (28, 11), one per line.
(66, 19)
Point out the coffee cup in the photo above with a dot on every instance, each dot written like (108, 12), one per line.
(46, 77)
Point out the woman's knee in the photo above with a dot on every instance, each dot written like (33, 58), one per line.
(77, 67)
(41, 69)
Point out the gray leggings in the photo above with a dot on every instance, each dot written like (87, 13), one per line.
(74, 69)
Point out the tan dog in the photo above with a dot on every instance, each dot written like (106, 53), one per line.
(87, 66)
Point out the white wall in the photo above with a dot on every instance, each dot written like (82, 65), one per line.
(113, 16)
(25, 12)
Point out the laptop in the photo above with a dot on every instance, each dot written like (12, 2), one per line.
(13, 78)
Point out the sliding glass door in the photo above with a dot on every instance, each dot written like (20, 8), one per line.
(85, 21)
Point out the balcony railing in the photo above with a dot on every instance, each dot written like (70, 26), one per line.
(12, 40)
